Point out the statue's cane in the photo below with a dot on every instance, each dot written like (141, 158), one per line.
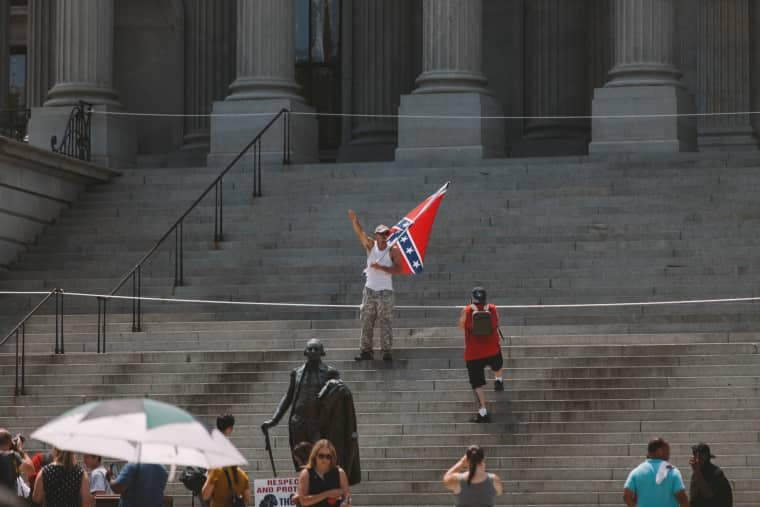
(269, 449)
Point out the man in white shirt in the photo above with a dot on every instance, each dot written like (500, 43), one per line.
(377, 300)
(98, 482)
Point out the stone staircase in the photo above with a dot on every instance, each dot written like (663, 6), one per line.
(586, 387)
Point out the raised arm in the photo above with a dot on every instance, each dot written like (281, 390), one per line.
(451, 477)
(365, 240)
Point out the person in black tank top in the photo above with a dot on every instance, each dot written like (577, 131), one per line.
(322, 482)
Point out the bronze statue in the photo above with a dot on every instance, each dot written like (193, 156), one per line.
(322, 407)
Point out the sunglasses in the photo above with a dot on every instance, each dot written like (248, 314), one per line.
(324, 456)
(383, 234)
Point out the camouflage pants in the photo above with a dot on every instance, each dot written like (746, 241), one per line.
(377, 306)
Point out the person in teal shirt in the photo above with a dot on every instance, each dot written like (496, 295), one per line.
(655, 482)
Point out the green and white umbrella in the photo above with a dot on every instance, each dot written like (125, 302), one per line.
(140, 431)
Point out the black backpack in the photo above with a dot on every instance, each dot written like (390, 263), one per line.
(481, 321)
(8, 469)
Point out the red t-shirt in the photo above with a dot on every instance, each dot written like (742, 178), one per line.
(478, 347)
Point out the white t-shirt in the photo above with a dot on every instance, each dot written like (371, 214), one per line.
(98, 480)
(376, 279)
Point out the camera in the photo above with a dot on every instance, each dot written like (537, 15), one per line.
(18, 442)
(193, 479)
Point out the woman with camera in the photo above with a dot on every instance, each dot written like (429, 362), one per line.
(62, 483)
(322, 482)
(471, 484)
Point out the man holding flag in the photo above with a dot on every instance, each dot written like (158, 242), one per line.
(400, 250)
(377, 300)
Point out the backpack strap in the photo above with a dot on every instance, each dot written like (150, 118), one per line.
(227, 475)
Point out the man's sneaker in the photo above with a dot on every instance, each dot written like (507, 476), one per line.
(387, 356)
(498, 385)
(481, 418)
(364, 356)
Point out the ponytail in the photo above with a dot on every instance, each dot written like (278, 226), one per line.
(474, 458)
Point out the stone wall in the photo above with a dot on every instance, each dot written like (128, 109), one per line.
(35, 186)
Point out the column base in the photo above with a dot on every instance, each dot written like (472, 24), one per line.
(449, 139)
(649, 134)
(728, 139)
(553, 138)
(231, 133)
(114, 138)
(379, 150)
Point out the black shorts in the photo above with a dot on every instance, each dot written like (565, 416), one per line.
(476, 369)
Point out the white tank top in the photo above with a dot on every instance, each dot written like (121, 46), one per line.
(376, 279)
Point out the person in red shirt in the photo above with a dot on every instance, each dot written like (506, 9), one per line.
(481, 350)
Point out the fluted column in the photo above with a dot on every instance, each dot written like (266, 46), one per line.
(83, 62)
(451, 112)
(84, 53)
(382, 70)
(265, 50)
(40, 42)
(5, 23)
(723, 73)
(557, 74)
(210, 42)
(644, 84)
(644, 44)
(452, 47)
(265, 84)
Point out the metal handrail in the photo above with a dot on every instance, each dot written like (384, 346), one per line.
(13, 128)
(20, 329)
(177, 227)
(77, 138)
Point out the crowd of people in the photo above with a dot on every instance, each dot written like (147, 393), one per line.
(57, 480)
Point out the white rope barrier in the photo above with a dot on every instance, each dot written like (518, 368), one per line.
(432, 116)
(22, 293)
(401, 307)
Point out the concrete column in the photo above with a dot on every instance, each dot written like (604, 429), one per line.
(84, 71)
(644, 80)
(5, 40)
(451, 84)
(210, 43)
(40, 70)
(382, 71)
(557, 76)
(723, 74)
(265, 84)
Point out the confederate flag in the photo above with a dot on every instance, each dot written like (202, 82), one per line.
(413, 231)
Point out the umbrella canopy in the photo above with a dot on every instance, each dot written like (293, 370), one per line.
(140, 431)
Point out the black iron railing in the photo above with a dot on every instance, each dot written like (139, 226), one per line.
(252, 152)
(76, 141)
(19, 332)
(14, 123)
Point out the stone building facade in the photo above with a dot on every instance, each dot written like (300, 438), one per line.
(469, 79)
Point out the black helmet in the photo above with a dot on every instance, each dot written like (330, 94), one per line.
(479, 295)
